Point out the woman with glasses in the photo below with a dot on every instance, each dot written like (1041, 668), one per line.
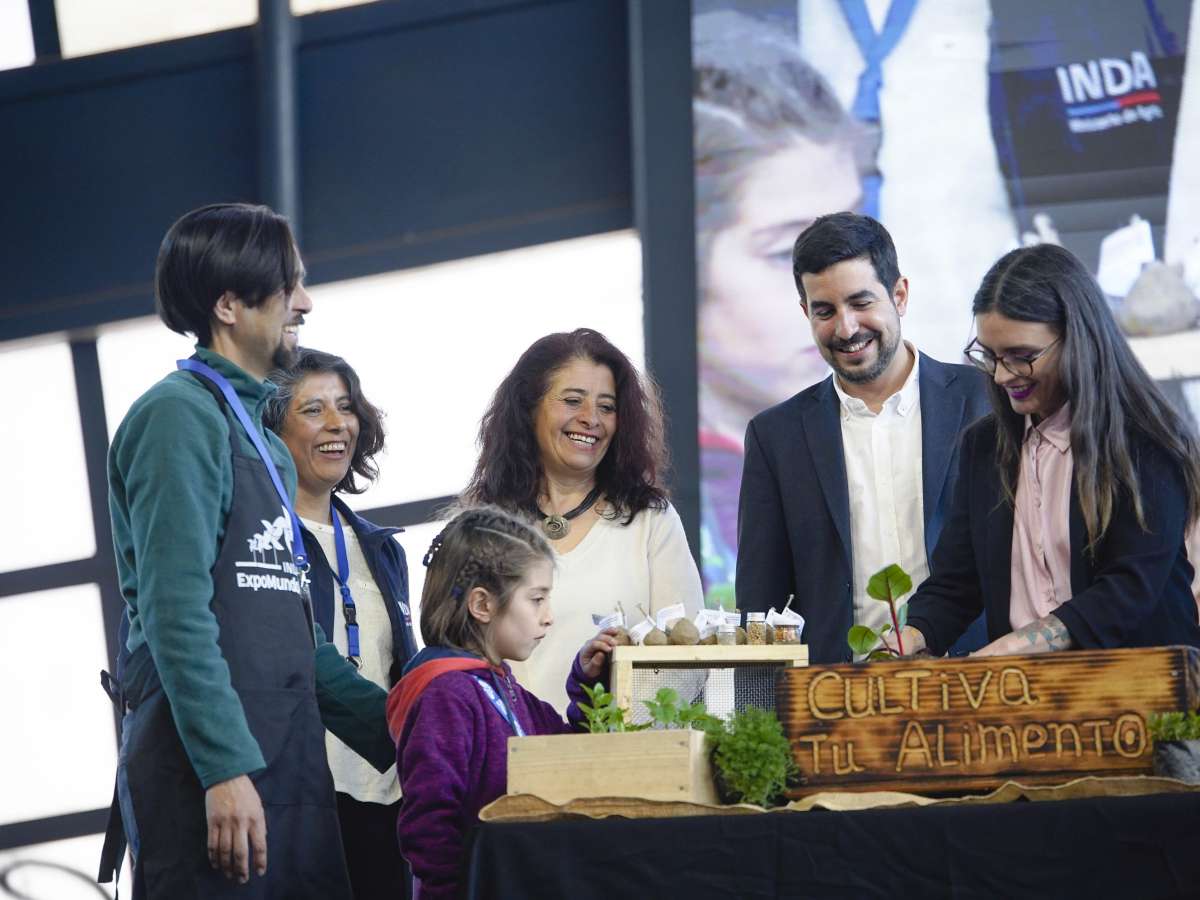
(1075, 493)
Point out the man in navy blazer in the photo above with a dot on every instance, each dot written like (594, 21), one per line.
(879, 437)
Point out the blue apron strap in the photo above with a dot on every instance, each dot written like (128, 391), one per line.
(501, 707)
(235, 403)
(874, 48)
(343, 580)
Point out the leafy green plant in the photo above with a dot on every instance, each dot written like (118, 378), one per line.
(1174, 726)
(602, 713)
(666, 712)
(753, 758)
(887, 585)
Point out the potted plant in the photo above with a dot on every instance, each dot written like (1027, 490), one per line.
(1176, 737)
(752, 758)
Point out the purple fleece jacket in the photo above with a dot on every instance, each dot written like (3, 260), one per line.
(452, 758)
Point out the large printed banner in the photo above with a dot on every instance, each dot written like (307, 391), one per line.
(967, 128)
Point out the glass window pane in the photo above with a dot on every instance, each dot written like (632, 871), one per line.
(133, 355)
(16, 34)
(43, 452)
(415, 539)
(86, 26)
(64, 755)
(59, 869)
(431, 345)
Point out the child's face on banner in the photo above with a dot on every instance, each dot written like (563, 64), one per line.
(750, 317)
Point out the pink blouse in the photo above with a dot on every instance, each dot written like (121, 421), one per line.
(1041, 540)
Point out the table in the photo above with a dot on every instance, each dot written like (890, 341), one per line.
(1129, 847)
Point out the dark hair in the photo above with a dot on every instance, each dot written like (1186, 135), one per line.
(246, 250)
(509, 471)
(481, 547)
(841, 236)
(370, 419)
(1110, 393)
(753, 95)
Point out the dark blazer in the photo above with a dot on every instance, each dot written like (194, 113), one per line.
(794, 510)
(385, 559)
(1136, 592)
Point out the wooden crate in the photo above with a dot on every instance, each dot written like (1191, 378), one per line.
(967, 724)
(649, 765)
(629, 662)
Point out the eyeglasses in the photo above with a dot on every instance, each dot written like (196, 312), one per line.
(1021, 366)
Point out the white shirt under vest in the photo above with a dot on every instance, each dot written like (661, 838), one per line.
(887, 501)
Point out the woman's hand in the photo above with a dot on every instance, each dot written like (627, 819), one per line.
(913, 640)
(594, 656)
(1045, 635)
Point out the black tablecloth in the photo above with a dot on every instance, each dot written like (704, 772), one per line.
(1132, 847)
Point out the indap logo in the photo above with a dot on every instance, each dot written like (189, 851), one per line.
(1104, 93)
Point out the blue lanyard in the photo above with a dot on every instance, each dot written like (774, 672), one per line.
(874, 49)
(343, 580)
(235, 403)
(501, 707)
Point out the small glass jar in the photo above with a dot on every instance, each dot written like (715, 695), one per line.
(787, 634)
(756, 628)
(727, 635)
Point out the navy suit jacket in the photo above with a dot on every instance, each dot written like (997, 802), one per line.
(1135, 591)
(794, 509)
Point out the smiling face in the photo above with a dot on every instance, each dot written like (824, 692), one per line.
(267, 335)
(749, 324)
(517, 629)
(855, 323)
(321, 431)
(576, 419)
(1041, 393)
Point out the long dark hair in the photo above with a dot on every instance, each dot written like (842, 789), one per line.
(370, 419)
(509, 471)
(1111, 395)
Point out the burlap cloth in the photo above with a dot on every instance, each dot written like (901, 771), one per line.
(528, 808)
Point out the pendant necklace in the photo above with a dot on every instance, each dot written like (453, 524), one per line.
(557, 527)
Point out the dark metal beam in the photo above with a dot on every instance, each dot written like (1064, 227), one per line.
(418, 512)
(43, 21)
(660, 61)
(55, 828)
(93, 425)
(278, 139)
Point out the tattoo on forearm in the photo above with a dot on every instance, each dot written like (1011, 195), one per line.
(1047, 633)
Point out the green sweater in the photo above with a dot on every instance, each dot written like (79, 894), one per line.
(170, 491)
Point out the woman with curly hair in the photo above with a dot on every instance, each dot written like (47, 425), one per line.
(358, 582)
(574, 438)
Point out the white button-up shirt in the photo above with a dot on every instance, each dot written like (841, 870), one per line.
(887, 502)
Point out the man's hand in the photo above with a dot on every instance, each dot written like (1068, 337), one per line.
(237, 828)
(594, 655)
(914, 641)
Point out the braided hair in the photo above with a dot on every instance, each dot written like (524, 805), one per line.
(482, 547)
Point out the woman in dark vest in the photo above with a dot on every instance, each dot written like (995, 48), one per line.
(1075, 493)
(359, 585)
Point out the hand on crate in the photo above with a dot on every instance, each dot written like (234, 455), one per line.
(593, 658)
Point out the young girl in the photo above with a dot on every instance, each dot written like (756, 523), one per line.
(1075, 494)
(486, 599)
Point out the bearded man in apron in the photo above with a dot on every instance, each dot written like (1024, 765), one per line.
(225, 682)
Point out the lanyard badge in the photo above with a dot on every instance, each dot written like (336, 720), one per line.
(353, 652)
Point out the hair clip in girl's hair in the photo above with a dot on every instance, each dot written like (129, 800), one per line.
(433, 549)
(456, 592)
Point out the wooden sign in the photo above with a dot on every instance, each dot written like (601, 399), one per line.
(955, 724)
